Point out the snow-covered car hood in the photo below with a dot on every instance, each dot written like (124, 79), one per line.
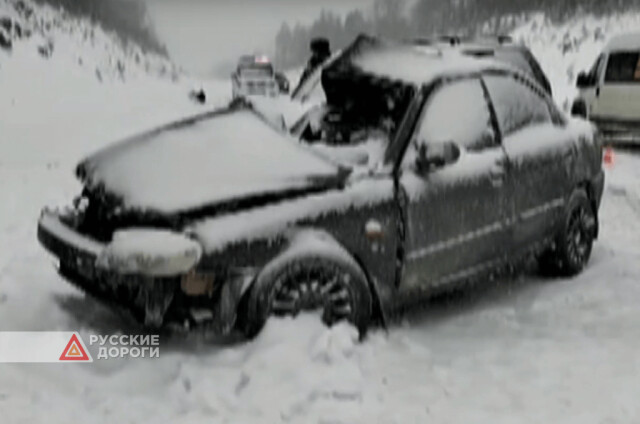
(215, 158)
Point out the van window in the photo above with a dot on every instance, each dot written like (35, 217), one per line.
(623, 67)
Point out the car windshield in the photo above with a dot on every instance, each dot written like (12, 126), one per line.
(623, 67)
(359, 126)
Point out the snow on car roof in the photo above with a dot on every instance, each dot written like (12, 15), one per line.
(406, 63)
(628, 41)
(416, 67)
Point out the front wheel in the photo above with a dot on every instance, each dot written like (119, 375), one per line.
(338, 291)
(574, 242)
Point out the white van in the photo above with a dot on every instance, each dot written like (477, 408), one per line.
(610, 91)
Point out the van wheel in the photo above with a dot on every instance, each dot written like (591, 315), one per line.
(574, 242)
(336, 290)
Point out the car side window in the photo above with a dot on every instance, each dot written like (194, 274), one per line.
(458, 112)
(623, 67)
(516, 103)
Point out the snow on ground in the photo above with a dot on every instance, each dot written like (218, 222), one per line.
(529, 350)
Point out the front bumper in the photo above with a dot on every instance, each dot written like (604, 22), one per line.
(618, 132)
(154, 301)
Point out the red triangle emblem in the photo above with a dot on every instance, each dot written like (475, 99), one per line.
(74, 351)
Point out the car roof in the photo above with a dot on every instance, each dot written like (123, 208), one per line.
(408, 63)
(628, 41)
(461, 41)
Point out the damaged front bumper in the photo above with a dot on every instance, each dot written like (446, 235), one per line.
(156, 296)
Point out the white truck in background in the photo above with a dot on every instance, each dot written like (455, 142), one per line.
(256, 76)
(610, 92)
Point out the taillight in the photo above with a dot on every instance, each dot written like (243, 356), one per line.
(608, 157)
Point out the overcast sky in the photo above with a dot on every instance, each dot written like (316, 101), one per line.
(202, 34)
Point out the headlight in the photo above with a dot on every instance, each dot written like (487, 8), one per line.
(157, 253)
(198, 284)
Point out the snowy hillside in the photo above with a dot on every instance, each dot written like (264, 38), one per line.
(565, 50)
(529, 350)
(50, 31)
(60, 76)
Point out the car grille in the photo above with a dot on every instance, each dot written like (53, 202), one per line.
(103, 214)
(259, 87)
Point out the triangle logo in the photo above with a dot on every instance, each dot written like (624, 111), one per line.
(74, 351)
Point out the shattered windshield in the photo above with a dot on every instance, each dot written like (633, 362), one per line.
(361, 121)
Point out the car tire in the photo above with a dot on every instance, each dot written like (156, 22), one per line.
(572, 248)
(339, 289)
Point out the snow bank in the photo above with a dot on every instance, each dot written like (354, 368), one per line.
(56, 108)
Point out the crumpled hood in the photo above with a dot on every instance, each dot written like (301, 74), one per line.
(219, 157)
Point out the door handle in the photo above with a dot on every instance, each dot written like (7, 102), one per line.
(598, 91)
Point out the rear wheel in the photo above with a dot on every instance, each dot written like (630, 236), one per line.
(573, 244)
(337, 291)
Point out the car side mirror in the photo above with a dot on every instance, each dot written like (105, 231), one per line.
(436, 155)
(584, 80)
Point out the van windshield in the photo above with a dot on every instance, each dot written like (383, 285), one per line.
(623, 67)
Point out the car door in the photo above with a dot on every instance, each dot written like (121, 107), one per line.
(618, 93)
(588, 91)
(456, 215)
(540, 151)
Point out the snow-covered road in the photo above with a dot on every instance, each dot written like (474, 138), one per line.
(528, 350)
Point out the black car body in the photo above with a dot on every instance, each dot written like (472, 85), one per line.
(440, 205)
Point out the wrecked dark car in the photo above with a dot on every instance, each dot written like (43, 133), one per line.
(224, 220)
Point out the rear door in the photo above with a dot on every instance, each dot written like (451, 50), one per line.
(456, 215)
(540, 151)
(618, 96)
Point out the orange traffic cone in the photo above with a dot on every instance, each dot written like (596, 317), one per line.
(607, 158)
